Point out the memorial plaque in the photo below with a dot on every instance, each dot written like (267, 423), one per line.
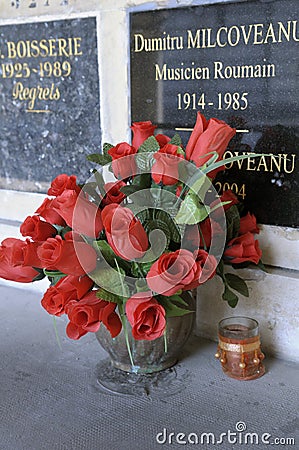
(49, 101)
(237, 62)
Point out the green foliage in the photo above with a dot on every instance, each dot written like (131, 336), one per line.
(192, 211)
(176, 140)
(153, 219)
(232, 222)
(111, 280)
(101, 158)
(174, 305)
(149, 145)
(232, 281)
(109, 296)
(53, 275)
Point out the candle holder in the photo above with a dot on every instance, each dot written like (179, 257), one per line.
(239, 348)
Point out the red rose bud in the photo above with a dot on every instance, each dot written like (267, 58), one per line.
(208, 136)
(68, 288)
(123, 160)
(63, 182)
(11, 254)
(248, 224)
(146, 316)
(113, 195)
(124, 232)
(87, 314)
(243, 249)
(165, 169)
(142, 131)
(79, 213)
(162, 139)
(69, 257)
(37, 229)
(47, 212)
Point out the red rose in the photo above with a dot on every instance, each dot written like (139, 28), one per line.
(30, 256)
(63, 182)
(37, 229)
(71, 258)
(142, 131)
(162, 139)
(68, 288)
(79, 213)
(243, 249)
(146, 316)
(172, 271)
(248, 223)
(113, 195)
(165, 169)
(206, 269)
(47, 212)
(123, 160)
(208, 136)
(10, 259)
(124, 232)
(87, 314)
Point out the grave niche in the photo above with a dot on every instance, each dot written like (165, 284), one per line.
(238, 63)
(49, 116)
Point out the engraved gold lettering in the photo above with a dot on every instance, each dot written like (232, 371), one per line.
(31, 94)
(181, 73)
(245, 71)
(285, 163)
(166, 42)
(44, 48)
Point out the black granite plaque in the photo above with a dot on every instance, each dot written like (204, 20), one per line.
(49, 101)
(237, 62)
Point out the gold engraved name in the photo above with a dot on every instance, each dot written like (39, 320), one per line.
(44, 48)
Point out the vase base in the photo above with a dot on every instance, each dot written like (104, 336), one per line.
(162, 383)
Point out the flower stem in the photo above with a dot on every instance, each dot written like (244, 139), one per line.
(123, 317)
(165, 340)
(124, 324)
(56, 332)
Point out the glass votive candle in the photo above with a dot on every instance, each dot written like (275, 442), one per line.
(239, 348)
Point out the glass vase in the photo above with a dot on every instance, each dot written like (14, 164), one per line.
(149, 356)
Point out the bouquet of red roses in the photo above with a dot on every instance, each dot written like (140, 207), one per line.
(147, 226)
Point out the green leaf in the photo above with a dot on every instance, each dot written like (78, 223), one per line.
(128, 190)
(103, 248)
(144, 161)
(149, 145)
(109, 280)
(176, 140)
(54, 275)
(141, 285)
(157, 219)
(107, 147)
(40, 274)
(171, 306)
(98, 158)
(230, 297)
(108, 296)
(237, 283)
(141, 269)
(192, 211)
(261, 266)
(232, 222)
